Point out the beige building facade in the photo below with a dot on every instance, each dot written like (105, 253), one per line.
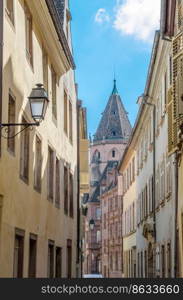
(172, 31)
(38, 178)
(127, 190)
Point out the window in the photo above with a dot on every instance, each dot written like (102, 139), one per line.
(113, 153)
(168, 180)
(66, 190)
(116, 202)
(50, 173)
(50, 259)
(98, 236)
(133, 169)
(24, 154)
(98, 213)
(38, 165)
(65, 113)
(54, 93)
(111, 262)
(45, 70)
(69, 259)
(114, 133)
(58, 262)
(70, 122)
(133, 216)
(57, 184)
(169, 260)
(11, 119)
(146, 264)
(28, 31)
(116, 261)
(18, 254)
(32, 255)
(170, 70)
(105, 220)
(142, 266)
(71, 195)
(163, 261)
(10, 10)
(138, 261)
(165, 89)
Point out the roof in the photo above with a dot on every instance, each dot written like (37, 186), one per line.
(56, 9)
(60, 6)
(114, 124)
(96, 194)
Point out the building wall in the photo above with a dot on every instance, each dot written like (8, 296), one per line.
(165, 187)
(129, 202)
(105, 150)
(111, 228)
(22, 206)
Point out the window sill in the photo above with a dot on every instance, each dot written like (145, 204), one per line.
(57, 206)
(38, 190)
(30, 63)
(12, 153)
(50, 199)
(24, 179)
(54, 120)
(10, 20)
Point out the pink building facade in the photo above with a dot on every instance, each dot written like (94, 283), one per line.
(111, 227)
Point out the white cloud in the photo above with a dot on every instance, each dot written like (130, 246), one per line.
(102, 16)
(139, 18)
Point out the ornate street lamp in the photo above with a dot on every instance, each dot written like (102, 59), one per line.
(92, 224)
(38, 101)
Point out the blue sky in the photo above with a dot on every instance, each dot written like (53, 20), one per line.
(109, 34)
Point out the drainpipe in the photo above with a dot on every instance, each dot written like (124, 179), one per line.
(176, 217)
(78, 190)
(1, 59)
(154, 172)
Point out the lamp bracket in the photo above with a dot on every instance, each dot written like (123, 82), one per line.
(4, 128)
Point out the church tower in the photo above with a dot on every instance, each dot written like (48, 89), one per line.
(106, 151)
(111, 137)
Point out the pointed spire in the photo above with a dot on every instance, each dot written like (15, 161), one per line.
(115, 91)
(114, 123)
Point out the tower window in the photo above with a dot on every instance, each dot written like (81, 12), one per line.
(114, 133)
(113, 153)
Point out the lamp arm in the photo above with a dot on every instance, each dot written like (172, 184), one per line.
(6, 127)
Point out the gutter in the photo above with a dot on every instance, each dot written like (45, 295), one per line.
(168, 9)
(1, 60)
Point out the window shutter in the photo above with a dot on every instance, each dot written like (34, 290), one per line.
(170, 121)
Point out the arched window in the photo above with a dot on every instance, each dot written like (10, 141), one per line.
(113, 153)
(96, 156)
